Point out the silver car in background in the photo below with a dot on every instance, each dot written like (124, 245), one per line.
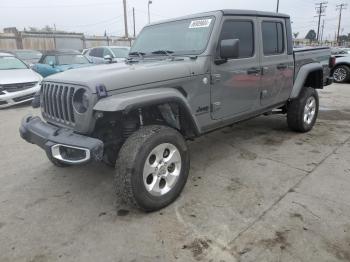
(26, 55)
(108, 54)
(18, 83)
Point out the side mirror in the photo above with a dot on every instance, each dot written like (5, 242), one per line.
(229, 48)
(51, 64)
(108, 58)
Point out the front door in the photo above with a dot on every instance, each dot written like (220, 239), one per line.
(235, 84)
(276, 63)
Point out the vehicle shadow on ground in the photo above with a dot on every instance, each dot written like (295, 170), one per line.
(97, 179)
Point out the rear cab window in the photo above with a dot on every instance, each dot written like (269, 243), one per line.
(273, 38)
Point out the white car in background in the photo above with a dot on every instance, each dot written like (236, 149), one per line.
(107, 54)
(18, 83)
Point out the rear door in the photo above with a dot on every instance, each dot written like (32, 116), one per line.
(277, 65)
(235, 84)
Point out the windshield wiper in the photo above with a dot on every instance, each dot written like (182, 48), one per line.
(163, 52)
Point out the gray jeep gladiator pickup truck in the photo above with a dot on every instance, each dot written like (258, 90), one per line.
(184, 77)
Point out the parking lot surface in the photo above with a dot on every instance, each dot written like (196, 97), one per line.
(256, 192)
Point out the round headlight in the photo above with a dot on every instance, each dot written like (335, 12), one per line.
(81, 100)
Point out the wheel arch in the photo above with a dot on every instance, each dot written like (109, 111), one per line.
(340, 64)
(309, 75)
(127, 102)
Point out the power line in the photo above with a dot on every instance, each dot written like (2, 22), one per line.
(340, 7)
(320, 10)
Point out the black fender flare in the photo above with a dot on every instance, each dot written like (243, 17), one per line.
(129, 101)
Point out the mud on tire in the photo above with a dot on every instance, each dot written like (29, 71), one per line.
(136, 156)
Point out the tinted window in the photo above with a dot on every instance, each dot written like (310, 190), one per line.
(49, 59)
(96, 52)
(242, 30)
(273, 38)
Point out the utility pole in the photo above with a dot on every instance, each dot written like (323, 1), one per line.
(320, 10)
(133, 18)
(125, 20)
(340, 7)
(278, 6)
(322, 30)
(149, 14)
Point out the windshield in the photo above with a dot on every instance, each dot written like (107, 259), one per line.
(120, 52)
(182, 37)
(10, 62)
(28, 55)
(72, 59)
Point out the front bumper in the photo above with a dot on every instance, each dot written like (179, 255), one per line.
(8, 99)
(61, 143)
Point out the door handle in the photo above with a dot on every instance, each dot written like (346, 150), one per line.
(282, 66)
(254, 71)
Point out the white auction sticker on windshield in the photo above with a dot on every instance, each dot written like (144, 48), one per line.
(200, 23)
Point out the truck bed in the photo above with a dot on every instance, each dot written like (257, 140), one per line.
(308, 55)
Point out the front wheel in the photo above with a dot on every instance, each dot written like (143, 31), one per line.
(152, 167)
(302, 112)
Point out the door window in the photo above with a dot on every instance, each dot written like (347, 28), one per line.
(96, 52)
(242, 30)
(50, 59)
(107, 52)
(273, 38)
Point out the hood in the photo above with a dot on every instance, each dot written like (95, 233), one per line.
(16, 76)
(122, 75)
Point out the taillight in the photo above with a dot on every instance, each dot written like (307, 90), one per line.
(332, 60)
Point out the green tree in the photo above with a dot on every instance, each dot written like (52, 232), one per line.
(311, 35)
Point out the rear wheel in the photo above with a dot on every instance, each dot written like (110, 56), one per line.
(341, 74)
(302, 112)
(152, 167)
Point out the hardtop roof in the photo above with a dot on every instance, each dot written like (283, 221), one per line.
(225, 12)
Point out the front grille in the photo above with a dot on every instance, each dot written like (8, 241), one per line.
(57, 103)
(17, 87)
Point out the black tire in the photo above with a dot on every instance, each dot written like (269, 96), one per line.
(344, 70)
(55, 161)
(296, 109)
(129, 181)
